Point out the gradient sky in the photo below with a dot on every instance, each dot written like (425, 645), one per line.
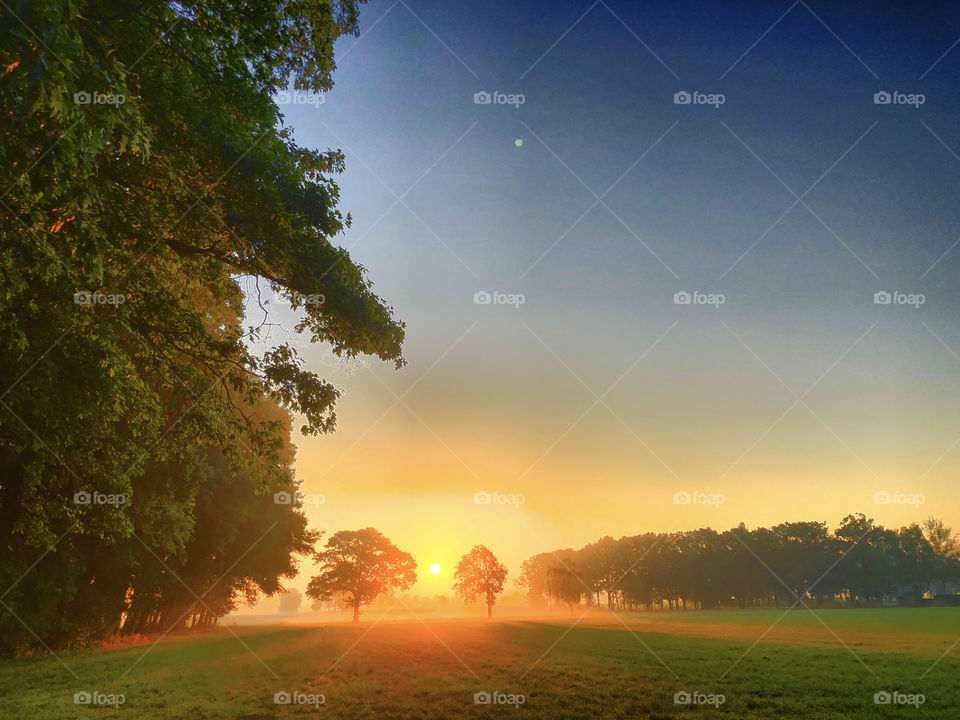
(497, 398)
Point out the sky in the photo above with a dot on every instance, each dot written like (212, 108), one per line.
(781, 200)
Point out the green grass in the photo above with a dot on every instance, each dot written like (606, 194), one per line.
(597, 668)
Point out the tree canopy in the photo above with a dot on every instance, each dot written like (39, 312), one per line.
(146, 173)
(858, 562)
(480, 575)
(361, 565)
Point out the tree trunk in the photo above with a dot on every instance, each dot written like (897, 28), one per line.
(489, 612)
(356, 611)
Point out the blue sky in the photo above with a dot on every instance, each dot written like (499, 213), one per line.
(703, 199)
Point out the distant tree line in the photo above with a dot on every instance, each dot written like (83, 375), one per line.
(858, 562)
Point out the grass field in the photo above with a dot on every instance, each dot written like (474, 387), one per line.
(591, 666)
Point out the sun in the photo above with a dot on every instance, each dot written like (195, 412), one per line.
(435, 568)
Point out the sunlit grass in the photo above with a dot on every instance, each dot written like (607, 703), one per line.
(595, 669)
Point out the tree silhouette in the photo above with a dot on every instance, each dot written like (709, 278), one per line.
(940, 537)
(946, 550)
(480, 575)
(533, 577)
(859, 562)
(362, 564)
(564, 585)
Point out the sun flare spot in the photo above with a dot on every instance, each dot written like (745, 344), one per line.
(435, 568)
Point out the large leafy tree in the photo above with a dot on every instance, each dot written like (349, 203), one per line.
(238, 545)
(126, 230)
(480, 575)
(360, 566)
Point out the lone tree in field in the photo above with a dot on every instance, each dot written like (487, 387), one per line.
(361, 565)
(480, 574)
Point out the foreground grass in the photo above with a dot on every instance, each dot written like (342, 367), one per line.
(592, 666)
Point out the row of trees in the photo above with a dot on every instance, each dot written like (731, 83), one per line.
(859, 561)
(145, 175)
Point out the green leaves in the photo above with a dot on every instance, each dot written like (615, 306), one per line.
(142, 157)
